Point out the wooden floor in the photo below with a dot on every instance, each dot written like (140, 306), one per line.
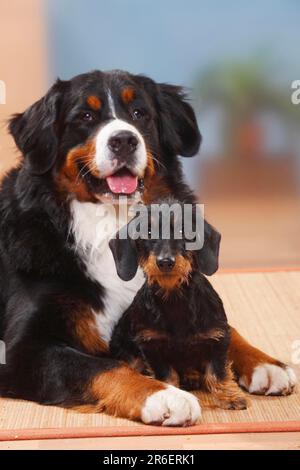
(263, 441)
(265, 307)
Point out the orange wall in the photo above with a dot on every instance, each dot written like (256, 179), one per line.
(22, 64)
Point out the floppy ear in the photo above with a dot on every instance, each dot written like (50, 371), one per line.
(179, 131)
(125, 255)
(34, 130)
(208, 256)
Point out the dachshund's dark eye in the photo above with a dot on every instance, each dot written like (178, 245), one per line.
(86, 116)
(137, 114)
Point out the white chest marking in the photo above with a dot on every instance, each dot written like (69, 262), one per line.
(93, 225)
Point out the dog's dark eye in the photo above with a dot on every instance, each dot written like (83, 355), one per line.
(138, 114)
(86, 116)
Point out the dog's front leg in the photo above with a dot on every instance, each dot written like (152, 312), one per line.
(257, 372)
(62, 375)
(126, 393)
(226, 392)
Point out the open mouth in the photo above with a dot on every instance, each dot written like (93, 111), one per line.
(122, 182)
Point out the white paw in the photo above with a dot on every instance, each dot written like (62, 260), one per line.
(171, 407)
(269, 379)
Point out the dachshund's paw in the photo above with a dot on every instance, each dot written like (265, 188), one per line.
(270, 379)
(238, 403)
(171, 407)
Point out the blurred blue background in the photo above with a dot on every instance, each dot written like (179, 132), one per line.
(171, 40)
(199, 44)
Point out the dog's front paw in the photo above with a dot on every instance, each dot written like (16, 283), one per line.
(237, 403)
(270, 379)
(171, 407)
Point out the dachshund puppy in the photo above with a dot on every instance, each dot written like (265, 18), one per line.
(176, 328)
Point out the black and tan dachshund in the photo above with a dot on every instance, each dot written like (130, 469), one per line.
(176, 328)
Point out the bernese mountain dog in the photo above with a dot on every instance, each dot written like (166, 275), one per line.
(176, 328)
(86, 145)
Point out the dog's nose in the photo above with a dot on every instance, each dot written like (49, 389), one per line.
(165, 264)
(123, 143)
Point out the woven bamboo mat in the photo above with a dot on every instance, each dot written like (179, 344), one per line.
(264, 307)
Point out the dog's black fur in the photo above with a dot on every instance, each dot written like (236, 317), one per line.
(170, 326)
(42, 276)
(47, 298)
(176, 329)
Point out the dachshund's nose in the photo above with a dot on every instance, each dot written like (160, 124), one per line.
(123, 143)
(165, 264)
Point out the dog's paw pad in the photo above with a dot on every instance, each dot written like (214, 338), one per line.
(171, 407)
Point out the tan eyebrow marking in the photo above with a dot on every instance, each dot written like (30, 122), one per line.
(127, 95)
(94, 102)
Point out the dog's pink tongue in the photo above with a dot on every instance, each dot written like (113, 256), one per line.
(122, 183)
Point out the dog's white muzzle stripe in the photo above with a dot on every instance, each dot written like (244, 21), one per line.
(104, 160)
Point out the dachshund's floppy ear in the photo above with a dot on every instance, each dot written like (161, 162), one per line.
(208, 256)
(179, 133)
(34, 130)
(125, 254)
